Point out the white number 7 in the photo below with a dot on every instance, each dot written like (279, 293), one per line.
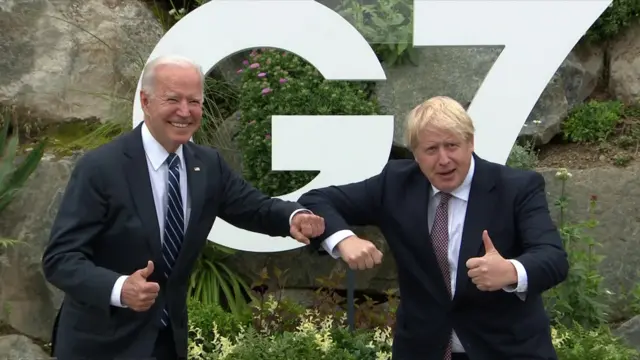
(537, 37)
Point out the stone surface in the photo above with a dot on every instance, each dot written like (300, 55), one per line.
(68, 59)
(18, 347)
(30, 302)
(624, 67)
(630, 332)
(618, 213)
(458, 72)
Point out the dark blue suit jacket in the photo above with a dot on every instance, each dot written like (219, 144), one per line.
(107, 227)
(511, 204)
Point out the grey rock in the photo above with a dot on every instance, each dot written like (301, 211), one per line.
(18, 347)
(629, 331)
(30, 303)
(624, 67)
(618, 204)
(71, 59)
(458, 72)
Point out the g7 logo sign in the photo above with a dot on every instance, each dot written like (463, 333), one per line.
(537, 37)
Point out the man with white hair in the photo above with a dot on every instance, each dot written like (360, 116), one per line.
(473, 241)
(134, 218)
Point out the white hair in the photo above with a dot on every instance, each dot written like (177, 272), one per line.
(149, 72)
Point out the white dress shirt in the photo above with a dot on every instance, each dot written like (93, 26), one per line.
(156, 156)
(457, 212)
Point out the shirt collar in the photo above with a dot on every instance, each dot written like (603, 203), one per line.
(462, 191)
(156, 153)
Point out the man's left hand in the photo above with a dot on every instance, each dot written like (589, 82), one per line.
(305, 226)
(491, 272)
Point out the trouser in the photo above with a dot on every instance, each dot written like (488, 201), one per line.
(165, 346)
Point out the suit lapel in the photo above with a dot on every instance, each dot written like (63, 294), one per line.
(196, 182)
(480, 209)
(137, 174)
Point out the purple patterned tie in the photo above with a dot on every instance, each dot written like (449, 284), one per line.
(440, 241)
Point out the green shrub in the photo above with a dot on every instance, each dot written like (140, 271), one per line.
(387, 25)
(220, 101)
(581, 297)
(592, 121)
(578, 343)
(522, 157)
(280, 83)
(614, 20)
(203, 316)
(212, 281)
(316, 337)
(13, 172)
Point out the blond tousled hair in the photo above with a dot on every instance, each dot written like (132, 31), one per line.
(441, 112)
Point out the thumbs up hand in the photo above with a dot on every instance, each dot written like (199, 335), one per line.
(137, 293)
(491, 272)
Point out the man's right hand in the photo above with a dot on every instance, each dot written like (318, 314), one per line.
(360, 254)
(137, 293)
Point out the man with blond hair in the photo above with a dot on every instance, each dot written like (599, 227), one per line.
(473, 241)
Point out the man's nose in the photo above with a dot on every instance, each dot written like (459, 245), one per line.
(183, 110)
(443, 157)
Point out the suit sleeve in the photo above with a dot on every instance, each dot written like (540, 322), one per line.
(246, 207)
(67, 259)
(355, 204)
(544, 257)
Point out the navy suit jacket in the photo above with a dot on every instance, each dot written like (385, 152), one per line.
(107, 227)
(511, 204)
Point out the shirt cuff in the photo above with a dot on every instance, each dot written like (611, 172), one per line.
(116, 292)
(522, 284)
(294, 214)
(330, 244)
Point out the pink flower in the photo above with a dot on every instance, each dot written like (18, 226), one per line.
(254, 66)
(262, 74)
(239, 71)
(268, 136)
(283, 80)
(266, 91)
(245, 62)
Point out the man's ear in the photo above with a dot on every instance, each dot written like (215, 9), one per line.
(144, 102)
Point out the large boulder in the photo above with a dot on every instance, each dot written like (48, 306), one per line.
(624, 66)
(458, 72)
(20, 347)
(31, 303)
(69, 59)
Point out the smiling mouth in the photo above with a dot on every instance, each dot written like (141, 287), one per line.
(179, 125)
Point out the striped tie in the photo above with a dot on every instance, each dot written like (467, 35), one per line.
(174, 223)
